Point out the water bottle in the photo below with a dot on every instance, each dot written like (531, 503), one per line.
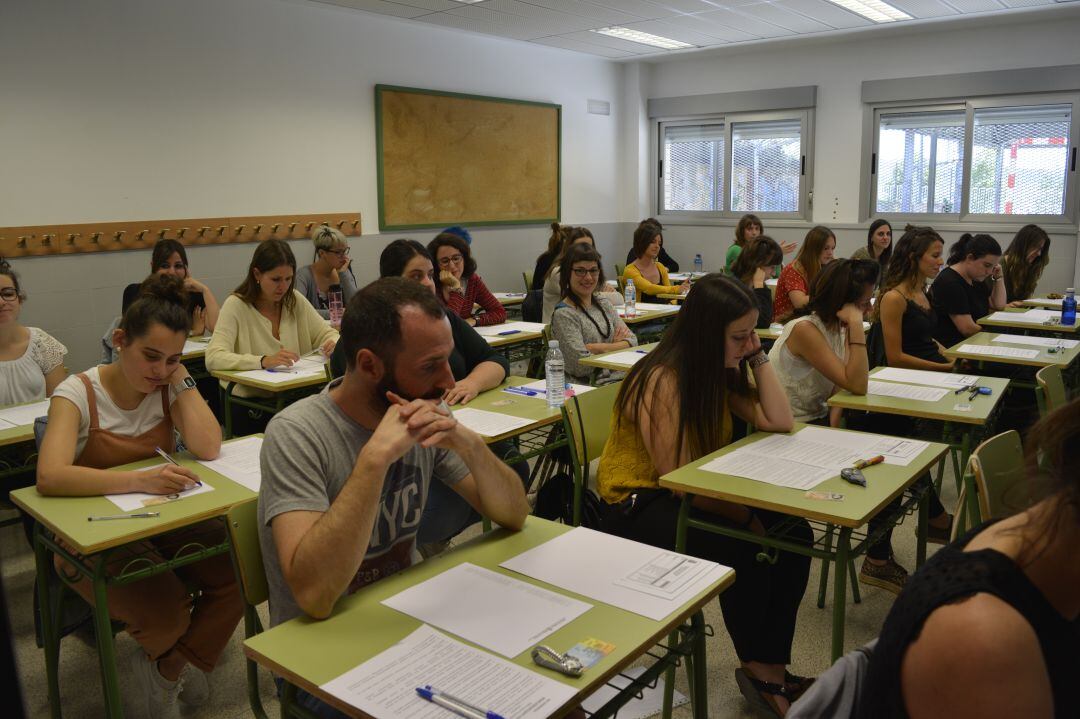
(630, 299)
(1068, 308)
(555, 377)
(699, 266)
(335, 299)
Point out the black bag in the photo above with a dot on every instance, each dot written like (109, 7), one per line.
(532, 307)
(555, 502)
(875, 346)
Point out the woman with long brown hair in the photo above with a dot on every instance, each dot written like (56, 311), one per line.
(793, 289)
(1023, 263)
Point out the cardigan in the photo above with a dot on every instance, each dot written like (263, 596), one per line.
(574, 328)
(647, 291)
(474, 292)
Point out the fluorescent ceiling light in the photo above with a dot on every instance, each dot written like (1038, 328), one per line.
(875, 10)
(468, 2)
(645, 38)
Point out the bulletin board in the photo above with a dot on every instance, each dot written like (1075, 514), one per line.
(452, 159)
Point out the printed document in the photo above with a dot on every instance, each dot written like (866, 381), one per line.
(625, 359)
(489, 424)
(494, 331)
(999, 351)
(1035, 317)
(926, 377)
(135, 501)
(1036, 341)
(906, 391)
(239, 461)
(24, 414)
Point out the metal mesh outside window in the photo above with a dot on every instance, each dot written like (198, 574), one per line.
(766, 164)
(694, 167)
(920, 162)
(1019, 160)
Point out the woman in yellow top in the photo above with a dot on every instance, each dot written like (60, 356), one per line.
(649, 276)
(675, 407)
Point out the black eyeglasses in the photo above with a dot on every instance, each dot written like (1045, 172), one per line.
(585, 272)
(178, 266)
(451, 260)
(340, 253)
(9, 294)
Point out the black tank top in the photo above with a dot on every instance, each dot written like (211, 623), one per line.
(953, 575)
(917, 333)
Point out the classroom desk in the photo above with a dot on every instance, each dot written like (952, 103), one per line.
(1027, 327)
(885, 482)
(520, 346)
(194, 357)
(309, 653)
(770, 333)
(99, 543)
(509, 299)
(601, 361)
(1043, 303)
(18, 458)
(281, 395)
(649, 315)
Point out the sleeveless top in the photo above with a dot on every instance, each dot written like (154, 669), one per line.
(807, 388)
(951, 576)
(917, 332)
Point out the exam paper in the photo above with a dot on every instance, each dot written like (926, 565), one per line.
(500, 613)
(1046, 301)
(622, 573)
(195, 346)
(25, 414)
(925, 377)
(496, 330)
(309, 366)
(508, 295)
(650, 703)
(132, 501)
(999, 351)
(239, 461)
(1035, 316)
(385, 685)
(625, 359)
(655, 307)
(489, 424)
(1036, 341)
(906, 391)
(895, 450)
(762, 468)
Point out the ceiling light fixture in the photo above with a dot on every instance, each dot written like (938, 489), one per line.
(875, 10)
(645, 38)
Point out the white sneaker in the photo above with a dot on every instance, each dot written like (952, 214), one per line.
(154, 698)
(195, 688)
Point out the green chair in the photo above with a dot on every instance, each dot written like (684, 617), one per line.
(1053, 389)
(243, 524)
(998, 467)
(587, 421)
(619, 270)
(528, 277)
(960, 518)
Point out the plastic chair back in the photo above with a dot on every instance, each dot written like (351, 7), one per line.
(619, 270)
(998, 467)
(1053, 388)
(243, 523)
(528, 277)
(587, 419)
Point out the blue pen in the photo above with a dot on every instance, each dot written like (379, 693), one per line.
(458, 706)
(523, 391)
(641, 352)
(509, 332)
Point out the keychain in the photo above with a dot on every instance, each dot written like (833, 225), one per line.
(548, 657)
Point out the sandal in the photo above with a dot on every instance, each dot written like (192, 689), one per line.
(796, 686)
(759, 693)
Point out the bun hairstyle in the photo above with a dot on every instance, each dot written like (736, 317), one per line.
(762, 251)
(974, 246)
(840, 283)
(556, 243)
(327, 238)
(6, 269)
(162, 300)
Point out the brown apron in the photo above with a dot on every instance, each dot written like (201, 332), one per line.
(105, 449)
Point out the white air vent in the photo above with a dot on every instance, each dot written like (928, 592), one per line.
(599, 107)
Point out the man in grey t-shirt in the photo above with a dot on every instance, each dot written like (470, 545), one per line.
(345, 473)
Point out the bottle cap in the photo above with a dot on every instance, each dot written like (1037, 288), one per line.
(553, 344)
(1071, 290)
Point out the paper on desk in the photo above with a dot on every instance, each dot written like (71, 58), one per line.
(385, 685)
(489, 424)
(495, 330)
(999, 351)
(508, 295)
(1036, 341)
(625, 359)
(926, 377)
(195, 345)
(762, 468)
(1035, 316)
(541, 387)
(500, 613)
(132, 501)
(655, 307)
(25, 414)
(650, 703)
(239, 461)
(895, 450)
(1046, 301)
(303, 368)
(906, 391)
(626, 574)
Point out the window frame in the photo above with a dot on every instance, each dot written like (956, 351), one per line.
(805, 197)
(969, 106)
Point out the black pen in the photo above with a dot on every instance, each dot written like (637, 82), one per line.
(170, 460)
(964, 388)
(974, 391)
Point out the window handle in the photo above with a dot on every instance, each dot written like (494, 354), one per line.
(873, 163)
(1073, 168)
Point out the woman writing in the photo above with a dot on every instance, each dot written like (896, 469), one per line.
(793, 289)
(170, 258)
(31, 360)
(1023, 263)
(330, 269)
(968, 289)
(461, 288)
(754, 264)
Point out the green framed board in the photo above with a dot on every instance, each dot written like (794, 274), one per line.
(447, 158)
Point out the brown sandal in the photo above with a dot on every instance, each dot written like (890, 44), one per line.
(760, 693)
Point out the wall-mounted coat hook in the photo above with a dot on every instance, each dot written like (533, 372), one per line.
(310, 225)
(118, 234)
(292, 226)
(161, 233)
(180, 233)
(239, 229)
(71, 238)
(21, 244)
(274, 228)
(341, 225)
(221, 230)
(46, 240)
(139, 236)
(94, 238)
(257, 230)
(202, 231)
(355, 224)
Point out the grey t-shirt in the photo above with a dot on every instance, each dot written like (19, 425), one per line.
(308, 453)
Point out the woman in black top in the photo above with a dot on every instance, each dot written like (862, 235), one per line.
(559, 234)
(966, 290)
(170, 258)
(990, 626)
(757, 261)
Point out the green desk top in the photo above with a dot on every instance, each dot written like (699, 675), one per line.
(66, 516)
(534, 408)
(22, 433)
(509, 299)
(272, 388)
(772, 332)
(649, 315)
(883, 483)
(599, 361)
(1043, 359)
(1032, 326)
(514, 339)
(677, 296)
(1043, 303)
(196, 354)
(310, 653)
(981, 406)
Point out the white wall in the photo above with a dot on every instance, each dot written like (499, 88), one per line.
(144, 109)
(838, 66)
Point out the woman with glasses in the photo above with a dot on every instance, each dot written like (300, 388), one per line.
(462, 289)
(330, 268)
(170, 258)
(31, 361)
(585, 323)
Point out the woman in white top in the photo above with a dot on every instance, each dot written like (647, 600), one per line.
(31, 361)
(553, 291)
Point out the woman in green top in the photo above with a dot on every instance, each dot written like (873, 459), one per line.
(748, 228)
(878, 245)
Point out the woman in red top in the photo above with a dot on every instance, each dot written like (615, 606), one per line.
(793, 289)
(461, 288)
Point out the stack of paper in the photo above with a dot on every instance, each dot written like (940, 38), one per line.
(1045, 301)
(508, 295)
(239, 461)
(906, 391)
(23, 414)
(313, 365)
(509, 328)
(654, 307)
(925, 377)
(489, 424)
(1036, 341)
(1036, 317)
(999, 351)
(625, 359)
(198, 345)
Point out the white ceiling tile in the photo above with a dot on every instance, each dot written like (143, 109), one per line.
(606, 15)
(967, 6)
(698, 23)
(559, 24)
(521, 9)
(433, 5)
(924, 8)
(640, 8)
(752, 26)
(1027, 3)
(379, 6)
(784, 18)
(684, 6)
(597, 39)
(445, 19)
(825, 12)
(568, 44)
(665, 29)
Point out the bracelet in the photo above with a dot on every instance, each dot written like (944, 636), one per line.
(757, 359)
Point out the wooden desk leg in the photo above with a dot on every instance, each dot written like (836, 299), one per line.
(699, 689)
(49, 637)
(105, 642)
(843, 554)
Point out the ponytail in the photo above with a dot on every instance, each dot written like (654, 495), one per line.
(975, 246)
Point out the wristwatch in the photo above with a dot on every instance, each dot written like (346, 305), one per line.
(183, 385)
(757, 359)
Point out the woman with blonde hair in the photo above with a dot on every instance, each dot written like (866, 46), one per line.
(330, 269)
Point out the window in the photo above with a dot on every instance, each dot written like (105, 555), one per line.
(726, 167)
(997, 160)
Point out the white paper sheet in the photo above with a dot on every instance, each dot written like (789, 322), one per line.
(498, 612)
(305, 367)
(906, 391)
(650, 703)
(132, 501)
(239, 461)
(625, 359)
(999, 351)
(25, 414)
(772, 283)
(385, 685)
(540, 388)
(655, 307)
(489, 424)
(895, 450)
(508, 295)
(1045, 301)
(1036, 316)
(925, 377)
(1036, 341)
(494, 331)
(596, 565)
(762, 468)
(4, 424)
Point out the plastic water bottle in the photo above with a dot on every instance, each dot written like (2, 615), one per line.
(699, 266)
(335, 298)
(555, 376)
(630, 299)
(1068, 308)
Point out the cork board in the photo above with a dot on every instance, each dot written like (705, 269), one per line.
(448, 158)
